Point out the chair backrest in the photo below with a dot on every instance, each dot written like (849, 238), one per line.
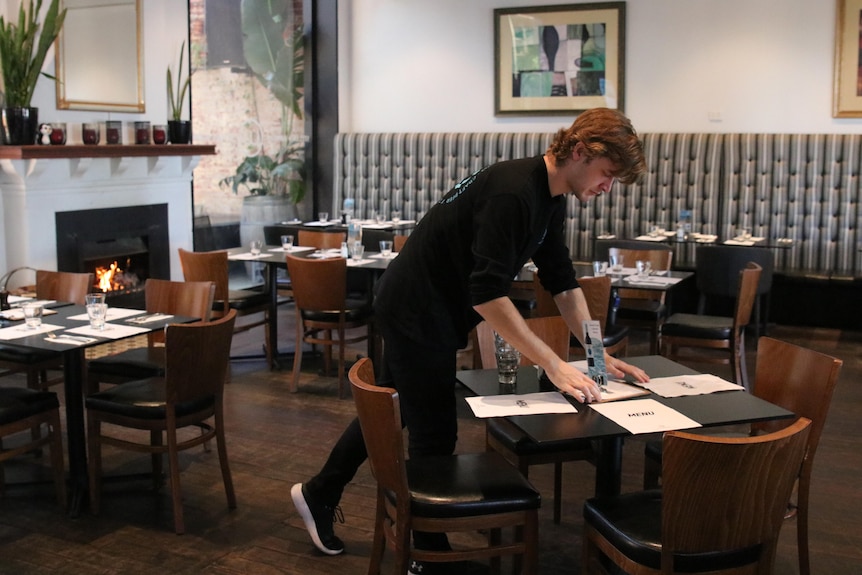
(748, 280)
(318, 284)
(371, 239)
(191, 299)
(379, 414)
(398, 242)
(320, 240)
(717, 268)
(660, 259)
(597, 292)
(724, 494)
(63, 286)
(798, 379)
(208, 267)
(553, 330)
(196, 359)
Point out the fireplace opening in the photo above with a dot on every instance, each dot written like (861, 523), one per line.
(122, 247)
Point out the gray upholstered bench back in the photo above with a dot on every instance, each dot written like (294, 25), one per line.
(804, 187)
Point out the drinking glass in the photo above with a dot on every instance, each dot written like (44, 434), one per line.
(643, 268)
(396, 216)
(32, 315)
(385, 248)
(323, 216)
(743, 233)
(600, 268)
(255, 247)
(508, 359)
(97, 309)
(287, 243)
(616, 262)
(356, 251)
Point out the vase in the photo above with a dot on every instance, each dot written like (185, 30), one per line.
(20, 126)
(180, 131)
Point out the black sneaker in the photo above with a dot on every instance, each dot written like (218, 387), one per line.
(318, 520)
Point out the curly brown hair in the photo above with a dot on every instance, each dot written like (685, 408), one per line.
(605, 133)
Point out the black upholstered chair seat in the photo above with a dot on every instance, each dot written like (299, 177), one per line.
(467, 485)
(143, 399)
(632, 524)
(641, 309)
(244, 300)
(518, 442)
(698, 326)
(137, 363)
(19, 355)
(355, 310)
(18, 403)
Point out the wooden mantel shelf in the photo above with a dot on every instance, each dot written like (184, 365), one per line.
(103, 151)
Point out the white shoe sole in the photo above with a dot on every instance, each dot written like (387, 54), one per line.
(308, 519)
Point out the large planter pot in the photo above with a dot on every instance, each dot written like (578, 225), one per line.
(257, 212)
(20, 126)
(180, 131)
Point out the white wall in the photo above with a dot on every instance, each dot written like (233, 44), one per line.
(760, 65)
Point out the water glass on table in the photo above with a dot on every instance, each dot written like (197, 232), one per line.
(643, 268)
(32, 315)
(600, 269)
(323, 217)
(287, 243)
(357, 250)
(617, 260)
(97, 310)
(508, 359)
(385, 248)
(255, 247)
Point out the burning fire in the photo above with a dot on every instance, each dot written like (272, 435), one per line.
(114, 278)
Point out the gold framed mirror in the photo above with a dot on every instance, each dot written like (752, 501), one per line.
(99, 56)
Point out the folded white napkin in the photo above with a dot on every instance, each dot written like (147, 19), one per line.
(111, 331)
(19, 331)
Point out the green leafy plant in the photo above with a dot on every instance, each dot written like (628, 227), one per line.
(176, 98)
(274, 51)
(21, 55)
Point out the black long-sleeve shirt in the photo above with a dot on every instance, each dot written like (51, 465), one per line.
(468, 248)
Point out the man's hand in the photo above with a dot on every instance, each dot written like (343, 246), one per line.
(619, 369)
(574, 382)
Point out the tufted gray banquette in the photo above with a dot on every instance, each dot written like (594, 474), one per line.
(800, 186)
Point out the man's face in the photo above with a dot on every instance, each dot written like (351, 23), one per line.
(589, 178)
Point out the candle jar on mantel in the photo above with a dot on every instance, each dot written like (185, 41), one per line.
(90, 133)
(142, 132)
(114, 132)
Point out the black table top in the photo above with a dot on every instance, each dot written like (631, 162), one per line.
(722, 408)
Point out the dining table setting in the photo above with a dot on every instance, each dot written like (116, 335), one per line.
(67, 330)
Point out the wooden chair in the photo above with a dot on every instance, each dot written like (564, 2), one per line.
(597, 292)
(320, 240)
(467, 492)
(398, 242)
(190, 299)
(213, 267)
(799, 380)
(719, 511)
(191, 393)
(50, 285)
(684, 331)
(506, 439)
(23, 409)
(644, 309)
(322, 307)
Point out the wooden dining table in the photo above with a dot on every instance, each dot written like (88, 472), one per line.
(710, 410)
(68, 317)
(273, 258)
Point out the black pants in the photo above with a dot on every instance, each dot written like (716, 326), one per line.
(425, 381)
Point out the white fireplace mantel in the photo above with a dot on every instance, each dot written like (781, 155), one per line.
(36, 182)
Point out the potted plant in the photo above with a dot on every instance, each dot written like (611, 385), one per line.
(179, 130)
(274, 51)
(21, 60)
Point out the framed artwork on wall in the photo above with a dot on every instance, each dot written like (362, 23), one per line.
(847, 85)
(559, 59)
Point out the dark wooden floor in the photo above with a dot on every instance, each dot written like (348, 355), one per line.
(277, 439)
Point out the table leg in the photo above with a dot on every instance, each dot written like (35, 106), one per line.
(609, 466)
(272, 324)
(73, 378)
